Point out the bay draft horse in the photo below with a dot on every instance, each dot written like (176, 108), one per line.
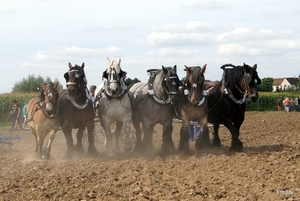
(227, 100)
(153, 103)
(193, 106)
(77, 111)
(43, 118)
(113, 104)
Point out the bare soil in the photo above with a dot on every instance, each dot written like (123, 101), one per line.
(267, 169)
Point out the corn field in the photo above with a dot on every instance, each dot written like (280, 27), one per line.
(6, 103)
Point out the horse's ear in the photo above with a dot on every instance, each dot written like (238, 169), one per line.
(247, 68)
(203, 68)
(255, 66)
(82, 65)
(43, 85)
(188, 69)
(175, 68)
(56, 84)
(70, 65)
(107, 61)
(119, 61)
(164, 69)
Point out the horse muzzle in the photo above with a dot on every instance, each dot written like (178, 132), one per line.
(253, 97)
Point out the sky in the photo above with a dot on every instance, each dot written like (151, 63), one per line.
(40, 37)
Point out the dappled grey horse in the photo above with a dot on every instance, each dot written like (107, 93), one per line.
(152, 103)
(113, 105)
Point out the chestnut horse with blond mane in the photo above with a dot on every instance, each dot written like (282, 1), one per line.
(43, 118)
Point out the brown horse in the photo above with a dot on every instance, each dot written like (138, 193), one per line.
(43, 118)
(193, 106)
(77, 111)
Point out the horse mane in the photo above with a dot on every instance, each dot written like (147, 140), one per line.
(234, 74)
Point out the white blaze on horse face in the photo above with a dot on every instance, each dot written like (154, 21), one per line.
(113, 83)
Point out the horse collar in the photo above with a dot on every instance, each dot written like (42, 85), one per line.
(77, 105)
(119, 95)
(151, 91)
(227, 91)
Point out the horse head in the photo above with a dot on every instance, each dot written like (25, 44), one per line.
(49, 97)
(195, 84)
(252, 81)
(114, 77)
(75, 79)
(241, 82)
(171, 82)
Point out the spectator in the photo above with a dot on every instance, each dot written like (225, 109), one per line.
(295, 104)
(15, 114)
(92, 94)
(194, 130)
(286, 103)
(24, 111)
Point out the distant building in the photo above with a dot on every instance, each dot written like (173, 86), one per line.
(285, 83)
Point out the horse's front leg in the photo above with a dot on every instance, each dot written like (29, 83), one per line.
(184, 138)
(108, 137)
(216, 139)
(117, 133)
(138, 135)
(69, 141)
(40, 141)
(167, 144)
(79, 137)
(236, 143)
(127, 145)
(47, 151)
(33, 131)
(92, 151)
(148, 137)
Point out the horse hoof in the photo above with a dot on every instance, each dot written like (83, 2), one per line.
(199, 145)
(216, 143)
(236, 149)
(127, 148)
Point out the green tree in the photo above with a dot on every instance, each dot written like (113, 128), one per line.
(266, 84)
(129, 82)
(30, 84)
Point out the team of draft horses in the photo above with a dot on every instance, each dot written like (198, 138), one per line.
(143, 105)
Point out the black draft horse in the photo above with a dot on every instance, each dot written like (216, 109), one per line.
(77, 111)
(227, 100)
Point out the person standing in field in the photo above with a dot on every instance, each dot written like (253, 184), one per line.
(286, 103)
(24, 111)
(15, 114)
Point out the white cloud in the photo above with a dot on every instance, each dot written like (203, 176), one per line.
(9, 11)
